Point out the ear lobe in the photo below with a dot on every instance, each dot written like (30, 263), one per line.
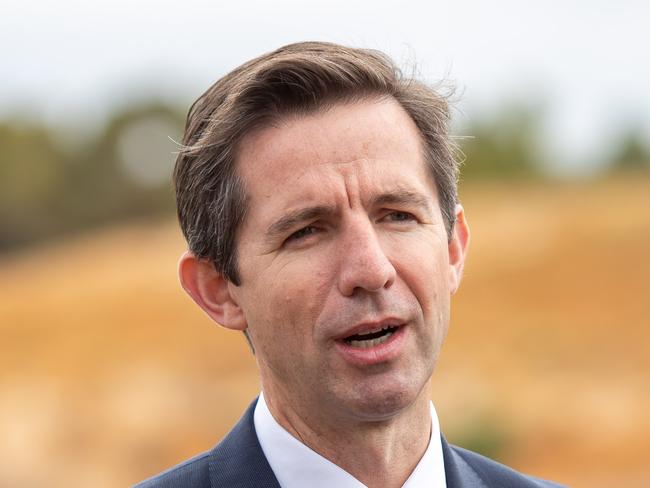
(211, 291)
(458, 249)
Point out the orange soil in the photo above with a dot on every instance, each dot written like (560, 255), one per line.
(110, 373)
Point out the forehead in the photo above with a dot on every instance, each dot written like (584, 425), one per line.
(373, 143)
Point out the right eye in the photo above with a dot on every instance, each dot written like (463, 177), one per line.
(302, 233)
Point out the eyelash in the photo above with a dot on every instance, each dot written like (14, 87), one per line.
(409, 216)
(302, 233)
(310, 229)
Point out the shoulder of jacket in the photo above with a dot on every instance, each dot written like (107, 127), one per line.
(497, 474)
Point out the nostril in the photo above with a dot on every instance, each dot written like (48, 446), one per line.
(367, 275)
(364, 264)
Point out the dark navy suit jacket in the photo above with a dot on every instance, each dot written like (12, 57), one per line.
(238, 462)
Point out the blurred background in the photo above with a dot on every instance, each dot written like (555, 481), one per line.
(108, 372)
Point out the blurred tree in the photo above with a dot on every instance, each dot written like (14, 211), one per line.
(633, 152)
(32, 170)
(504, 145)
(104, 190)
(124, 172)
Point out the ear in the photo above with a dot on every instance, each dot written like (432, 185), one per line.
(211, 291)
(458, 249)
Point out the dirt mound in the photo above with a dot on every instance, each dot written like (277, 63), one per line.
(110, 373)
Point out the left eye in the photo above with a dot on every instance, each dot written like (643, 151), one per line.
(302, 233)
(400, 216)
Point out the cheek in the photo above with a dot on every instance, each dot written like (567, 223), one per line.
(424, 267)
(288, 305)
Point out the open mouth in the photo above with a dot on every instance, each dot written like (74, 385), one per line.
(371, 338)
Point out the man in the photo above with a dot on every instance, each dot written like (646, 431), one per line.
(316, 189)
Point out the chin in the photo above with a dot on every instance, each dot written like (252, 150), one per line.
(386, 400)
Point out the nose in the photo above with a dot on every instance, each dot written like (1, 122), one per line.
(364, 264)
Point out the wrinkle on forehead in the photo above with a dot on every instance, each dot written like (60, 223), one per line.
(342, 157)
(347, 131)
(361, 181)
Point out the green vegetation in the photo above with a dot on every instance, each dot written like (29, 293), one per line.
(484, 434)
(633, 152)
(503, 146)
(48, 189)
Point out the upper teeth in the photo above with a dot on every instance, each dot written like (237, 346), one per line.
(374, 331)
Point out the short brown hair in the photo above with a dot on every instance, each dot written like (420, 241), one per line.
(300, 78)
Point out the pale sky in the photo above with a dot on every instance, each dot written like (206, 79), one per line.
(586, 60)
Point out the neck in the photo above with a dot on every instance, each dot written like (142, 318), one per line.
(379, 453)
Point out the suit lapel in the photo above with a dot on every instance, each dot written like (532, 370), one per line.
(238, 461)
(458, 473)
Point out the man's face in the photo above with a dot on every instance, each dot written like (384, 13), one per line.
(346, 269)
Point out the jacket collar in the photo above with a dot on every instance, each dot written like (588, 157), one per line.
(239, 462)
(459, 474)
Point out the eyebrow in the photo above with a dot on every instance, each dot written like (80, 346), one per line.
(293, 219)
(402, 197)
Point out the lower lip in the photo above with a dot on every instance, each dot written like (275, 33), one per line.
(380, 353)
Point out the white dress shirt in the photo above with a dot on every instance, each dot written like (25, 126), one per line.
(296, 466)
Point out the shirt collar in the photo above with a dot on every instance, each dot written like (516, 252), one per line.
(295, 465)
